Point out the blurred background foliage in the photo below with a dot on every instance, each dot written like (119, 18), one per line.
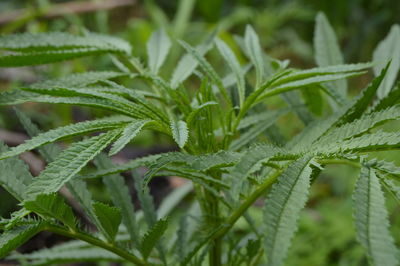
(326, 235)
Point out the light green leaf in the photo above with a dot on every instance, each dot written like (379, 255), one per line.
(53, 206)
(152, 236)
(254, 51)
(371, 219)
(388, 49)
(69, 163)
(283, 205)
(234, 64)
(179, 132)
(130, 131)
(327, 50)
(157, 50)
(109, 217)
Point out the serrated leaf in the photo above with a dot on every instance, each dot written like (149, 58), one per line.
(69, 163)
(180, 132)
(56, 256)
(283, 205)
(378, 141)
(254, 51)
(120, 196)
(250, 162)
(157, 50)
(386, 50)
(327, 50)
(79, 80)
(67, 131)
(253, 132)
(12, 239)
(45, 57)
(371, 219)
(362, 125)
(234, 64)
(26, 42)
(129, 132)
(152, 236)
(109, 217)
(53, 206)
(15, 176)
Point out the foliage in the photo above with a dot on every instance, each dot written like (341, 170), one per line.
(217, 126)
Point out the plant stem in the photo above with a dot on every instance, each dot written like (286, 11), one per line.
(339, 161)
(96, 242)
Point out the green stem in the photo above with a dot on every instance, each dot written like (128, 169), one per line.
(96, 242)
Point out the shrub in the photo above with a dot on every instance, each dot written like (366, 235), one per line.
(216, 126)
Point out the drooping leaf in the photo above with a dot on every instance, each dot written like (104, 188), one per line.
(180, 132)
(388, 50)
(69, 163)
(283, 205)
(152, 236)
(157, 50)
(371, 220)
(53, 206)
(109, 217)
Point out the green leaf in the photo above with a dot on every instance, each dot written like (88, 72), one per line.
(361, 125)
(79, 80)
(388, 50)
(377, 141)
(45, 57)
(15, 176)
(157, 50)
(234, 64)
(130, 131)
(53, 41)
(254, 51)
(53, 206)
(345, 114)
(67, 131)
(186, 65)
(252, 133)
(120, 196)
(197, 110)
(57, 256)
(327, 50)
(152, 236)
(392, 98)
(69, 163)
(180, 132)
(250, 162)
(170, 202)
(371, 219)
(109, 217)
(12, 239)
(283, 205)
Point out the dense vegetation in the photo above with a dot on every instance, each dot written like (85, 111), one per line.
(233, 148)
